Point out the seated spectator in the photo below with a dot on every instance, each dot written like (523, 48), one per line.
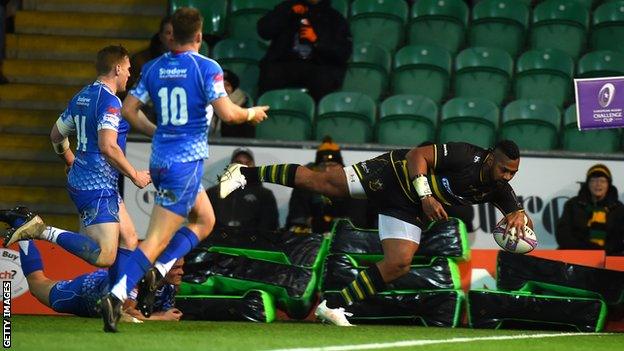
(251, 207)
(231, 83)
(594, 219)
(310, 47)
(308, 211)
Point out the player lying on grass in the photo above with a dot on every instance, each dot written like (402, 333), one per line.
(81, 296)
(398, 183)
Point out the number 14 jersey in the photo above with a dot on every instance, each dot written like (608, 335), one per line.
(182, 86)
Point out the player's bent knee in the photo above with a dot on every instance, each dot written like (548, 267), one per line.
(105, 259)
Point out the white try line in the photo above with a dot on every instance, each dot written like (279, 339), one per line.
(408, 343)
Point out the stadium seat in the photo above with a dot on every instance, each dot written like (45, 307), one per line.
(499, 24)
(560, 24)
(472, 120)
(602, 63)
(599, 140)
(532, 124)
(346, 117)
(546, 75)
(608, 23)
(241, 56)
(483, 72)
(422, 70)
(380, 22)
(244, 16)
(213, 11)
(290, 116)
(341, 6)
(435, 22)
(367, 70)
(203, 49)
(407, 120)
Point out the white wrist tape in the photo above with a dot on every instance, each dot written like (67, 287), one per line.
(61, 147)
(421, 184)
(251, 113)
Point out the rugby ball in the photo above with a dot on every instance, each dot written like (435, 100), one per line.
(509, 241)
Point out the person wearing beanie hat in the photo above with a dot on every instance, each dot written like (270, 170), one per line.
(594, 219)
(252, 207)
(312, 212)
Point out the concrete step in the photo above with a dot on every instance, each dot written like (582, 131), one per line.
(27, 121)
(49, 72)
(62, 47)
(86, 24)
(36, 96)
(26, 147)
(143, 7)
(27, 195)
(32, 173)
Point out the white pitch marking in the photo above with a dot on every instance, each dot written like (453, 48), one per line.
(408, 343)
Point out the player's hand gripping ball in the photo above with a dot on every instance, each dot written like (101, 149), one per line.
(510, 241)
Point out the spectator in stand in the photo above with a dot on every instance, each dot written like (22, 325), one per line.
(159, 44)
(310, 46)
(594, 219)
(308, 211)
(251, 207)
(240, 98)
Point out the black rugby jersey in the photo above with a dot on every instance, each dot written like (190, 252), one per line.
(456, 178)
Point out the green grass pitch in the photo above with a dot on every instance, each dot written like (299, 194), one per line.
(43, 333)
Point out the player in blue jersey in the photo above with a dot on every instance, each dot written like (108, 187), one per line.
(94, 116)
(185, 87)
(80, 296)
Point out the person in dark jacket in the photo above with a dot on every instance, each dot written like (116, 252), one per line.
(311, 211)
(310, 46)
(594, 219)
(252, 207)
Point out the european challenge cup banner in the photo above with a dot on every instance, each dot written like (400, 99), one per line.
(599, 102)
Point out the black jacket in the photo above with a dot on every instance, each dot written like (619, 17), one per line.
(572, 231)
(252, 207)
(281, 25)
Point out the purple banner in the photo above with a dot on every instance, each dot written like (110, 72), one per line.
(599, 102)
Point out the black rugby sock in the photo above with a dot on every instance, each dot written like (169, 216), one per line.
(367, 283)
(283, 174)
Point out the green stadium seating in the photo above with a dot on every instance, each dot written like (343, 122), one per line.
(532, 124)
(483, 72)
(546, 75)
(346, 117)
(608, 23)
(341, 6)
(422, 70)
(244, 16)
(499, 24)
(379, 22)
(241, 56)
(599, 140)
(435, 22)
(472, 120)
(602, 63)
(407, 120)
(560, 24)
(290, 116)
(367, 70)
(213, 11)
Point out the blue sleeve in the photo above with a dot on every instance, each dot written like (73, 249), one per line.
(68, 125)
(139, 91)
(213, 81)
(109, 114)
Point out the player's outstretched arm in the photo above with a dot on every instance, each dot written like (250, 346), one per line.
(107, 142)
(131, 111)
(231, 113)
(172, 314)
(419, 161)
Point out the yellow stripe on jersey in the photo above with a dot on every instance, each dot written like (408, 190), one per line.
(359, 174)
(284, 172)
(435, 156)
(396, 173)
(262, 173)
(436, 189)
(274, 174)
